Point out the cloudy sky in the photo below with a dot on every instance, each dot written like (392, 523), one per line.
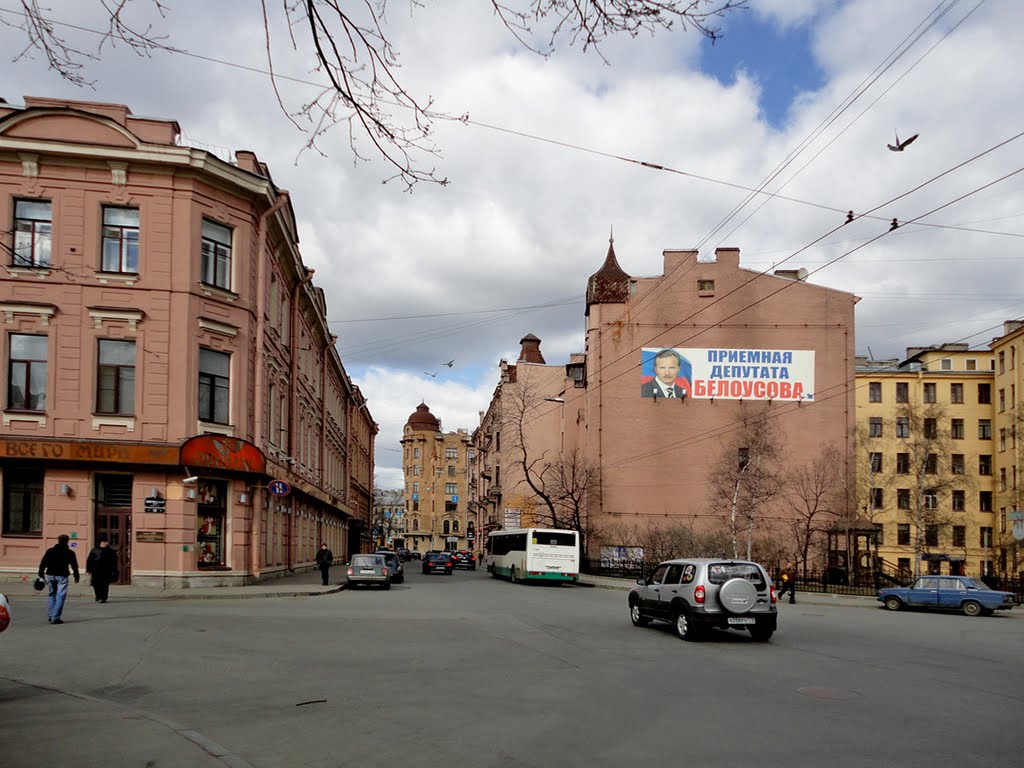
(806, 93)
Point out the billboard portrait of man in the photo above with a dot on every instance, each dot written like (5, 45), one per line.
(664, 373)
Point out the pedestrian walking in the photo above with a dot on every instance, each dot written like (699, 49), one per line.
(788, 580)
(101, 565)
(324, 559)
(57, 561)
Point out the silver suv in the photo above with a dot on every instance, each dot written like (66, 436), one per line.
(695, 594)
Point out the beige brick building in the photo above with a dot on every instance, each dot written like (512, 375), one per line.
(166, 355)
(436, 469)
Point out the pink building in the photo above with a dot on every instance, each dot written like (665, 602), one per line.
(724, 339)
(167, 356)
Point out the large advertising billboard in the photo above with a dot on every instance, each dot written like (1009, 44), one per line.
(729, 374)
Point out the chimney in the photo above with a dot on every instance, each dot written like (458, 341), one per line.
(728, 257)
(530, 352)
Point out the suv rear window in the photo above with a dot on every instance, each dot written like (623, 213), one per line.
(719, 573)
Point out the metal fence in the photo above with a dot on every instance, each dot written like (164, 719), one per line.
(826, 582)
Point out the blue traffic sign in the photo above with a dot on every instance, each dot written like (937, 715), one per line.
(279, 488)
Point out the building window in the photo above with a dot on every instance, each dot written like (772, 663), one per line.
(415, 453)
(931, 429)
(985, 501)
(451, 471)
(970, 364)
(214, 386)
(417, 469)
(743, 457)
(1002, 478)
(984, 464)
(956, 429)
(705, 285)
(877, 498)
(215, 265)
(447, 527)
(902, 463)
(33, 232)
(874, 392)
(903, 534)
(931, 499)
(959, 501)
(120, 240)
(931, 535)
(1002, 439)
(1002, 400)
(451, 506)
(902, 426)
(929, 393)
(875, 426)
(931, 464)
(876, 462)
(984, 429)
(1002, 362)
(985, 537)
(210, 521)
(416, 487)
(26, 373)
(956, 393)
(115, 377)
(451, 489)
(946, 364)
(451, 453)
(957, 465)
(959, 536)
(903, 500)
(902, 392)
(455, 526)
(23, 501)
(984, 394)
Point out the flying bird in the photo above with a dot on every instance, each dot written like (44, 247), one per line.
(901, 145)
(432, 375)
(450, 363)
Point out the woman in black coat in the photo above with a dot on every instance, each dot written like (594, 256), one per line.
(101, 564)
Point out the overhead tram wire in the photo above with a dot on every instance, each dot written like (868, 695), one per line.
(465, 120)
(859, 91)
(566, 302)
(863, 112)
(843, 255)
(833, 231)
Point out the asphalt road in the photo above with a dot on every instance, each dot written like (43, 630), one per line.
(464, 670)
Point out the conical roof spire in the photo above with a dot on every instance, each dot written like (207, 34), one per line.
(610, 284)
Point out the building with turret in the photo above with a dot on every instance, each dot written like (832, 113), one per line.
(435, 465)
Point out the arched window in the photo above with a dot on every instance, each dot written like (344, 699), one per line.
(446, 527)
(415, 524)
(455, 526)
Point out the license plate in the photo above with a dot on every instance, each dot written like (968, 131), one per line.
(742, 620)
(367, 571)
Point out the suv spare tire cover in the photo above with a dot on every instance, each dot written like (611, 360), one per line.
(737, 595)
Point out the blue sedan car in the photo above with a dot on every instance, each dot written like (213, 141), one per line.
(948, 593)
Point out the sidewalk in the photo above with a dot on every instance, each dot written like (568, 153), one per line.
(304, 584)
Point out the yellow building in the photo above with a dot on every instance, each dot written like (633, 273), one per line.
(1008, 421)
(927, 459)
(435, 466)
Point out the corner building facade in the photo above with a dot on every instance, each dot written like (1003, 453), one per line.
(167, 357)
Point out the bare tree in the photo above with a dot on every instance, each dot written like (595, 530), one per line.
(349, 46)
(660, 541)
(746, 476)
(815, 492)
(925, 441)
(1011, 498)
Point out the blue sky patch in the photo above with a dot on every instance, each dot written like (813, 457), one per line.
(780, 61)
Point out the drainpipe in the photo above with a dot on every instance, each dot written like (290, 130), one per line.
(323, 401)
(293, 401)
(258, 378)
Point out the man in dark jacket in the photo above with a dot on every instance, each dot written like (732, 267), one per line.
(101, 564)
(324, 558)
(56, 562)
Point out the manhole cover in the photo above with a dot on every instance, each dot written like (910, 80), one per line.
(836, 694)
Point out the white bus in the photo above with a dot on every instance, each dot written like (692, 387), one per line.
(534, 554)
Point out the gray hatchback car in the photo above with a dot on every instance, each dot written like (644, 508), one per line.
(696, 594)
(367, 570)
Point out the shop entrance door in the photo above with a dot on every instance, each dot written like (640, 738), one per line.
(114, 518)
